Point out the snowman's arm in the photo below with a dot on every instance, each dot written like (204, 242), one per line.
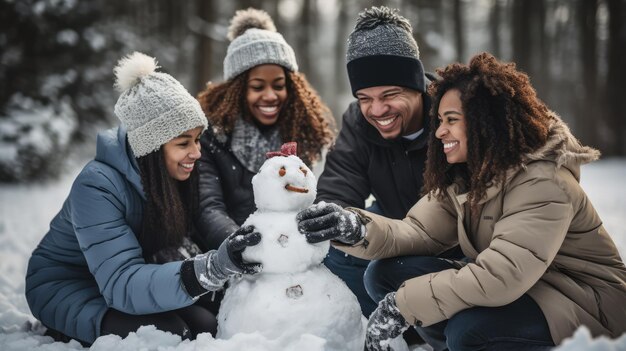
(429, 228)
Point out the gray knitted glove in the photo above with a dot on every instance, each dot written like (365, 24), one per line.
(328, 221)
(385, 323)
(217, 266)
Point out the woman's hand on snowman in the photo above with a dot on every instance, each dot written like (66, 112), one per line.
(328, 221)
(385, 324)
(227, 260)
(212, 269)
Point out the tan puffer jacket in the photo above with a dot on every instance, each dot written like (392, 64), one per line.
(538, 234)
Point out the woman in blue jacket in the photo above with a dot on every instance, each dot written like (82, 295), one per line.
(119, 253)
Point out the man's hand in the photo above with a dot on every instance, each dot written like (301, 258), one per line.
(328, 221)
(385, 324)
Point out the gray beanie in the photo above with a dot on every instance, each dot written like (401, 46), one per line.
(153, 107)
(382, 51)
(254, 41)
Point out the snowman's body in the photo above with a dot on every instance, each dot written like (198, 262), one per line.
(295, 293)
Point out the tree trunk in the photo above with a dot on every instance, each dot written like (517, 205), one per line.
(345, 23)
(588, 114)
(615, 79)
(521, 38)
(494, 29)
(204, 57)
(302, 45)
(459, 27)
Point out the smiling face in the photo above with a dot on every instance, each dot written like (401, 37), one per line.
(452, 130)
(284, 184)
(394, 111)
(181, 153)
(266, 93)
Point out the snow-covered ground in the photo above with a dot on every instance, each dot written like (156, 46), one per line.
(26, 210)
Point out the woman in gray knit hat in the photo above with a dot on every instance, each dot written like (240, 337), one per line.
(263, 103)
(119, 254)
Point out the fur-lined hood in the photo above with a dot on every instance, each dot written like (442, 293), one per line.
(563, 148)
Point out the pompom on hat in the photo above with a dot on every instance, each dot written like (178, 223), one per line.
(153, 106)
(254, 41)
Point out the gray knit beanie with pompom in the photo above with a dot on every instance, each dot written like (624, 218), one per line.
(153, 106)
(254, 41)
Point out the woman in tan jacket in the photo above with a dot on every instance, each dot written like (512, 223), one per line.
(503, 182)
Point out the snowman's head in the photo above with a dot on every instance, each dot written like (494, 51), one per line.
(284, 184)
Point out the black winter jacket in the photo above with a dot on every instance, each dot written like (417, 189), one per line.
(362, 162)
(225, 191)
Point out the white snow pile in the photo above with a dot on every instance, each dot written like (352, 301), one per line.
(26, 210)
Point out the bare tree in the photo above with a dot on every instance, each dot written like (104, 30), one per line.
(588, 114)
(304, 37)
(522, 47)
(616, 75)
(204, 57)
(530, 46)
(494, 21)
(344, 24)
(459, 29)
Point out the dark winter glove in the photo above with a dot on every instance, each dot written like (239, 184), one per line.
(215, 267)
(227, 261)
(328, 221)
(385, 324)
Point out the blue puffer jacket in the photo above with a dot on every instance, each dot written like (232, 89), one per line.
(90, 260)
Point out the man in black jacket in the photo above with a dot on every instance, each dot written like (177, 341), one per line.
(381, 149)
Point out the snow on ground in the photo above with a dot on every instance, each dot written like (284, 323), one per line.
(26, 210)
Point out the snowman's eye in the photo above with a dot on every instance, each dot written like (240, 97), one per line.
(282, 171)
(303, 170)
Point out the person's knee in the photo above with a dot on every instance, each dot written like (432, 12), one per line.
(343, 267)
(374, 280)
(335, 260)
(386, 275)
(175, 325)
(199, 319)
(121, 324)
(463, 332)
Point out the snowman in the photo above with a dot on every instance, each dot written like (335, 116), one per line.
(295, 293)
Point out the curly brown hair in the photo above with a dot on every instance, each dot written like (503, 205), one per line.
(505, 120)
(304, 118)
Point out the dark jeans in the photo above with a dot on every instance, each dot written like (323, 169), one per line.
(519, 325)
(186, 322)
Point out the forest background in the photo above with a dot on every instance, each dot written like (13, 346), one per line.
(56, 59)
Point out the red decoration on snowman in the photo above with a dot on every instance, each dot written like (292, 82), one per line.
(287, 149)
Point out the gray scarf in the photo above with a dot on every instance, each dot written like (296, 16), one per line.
(249, 144)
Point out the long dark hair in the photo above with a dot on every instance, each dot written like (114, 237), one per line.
(505, 120)
(305, 118)
(170, 204)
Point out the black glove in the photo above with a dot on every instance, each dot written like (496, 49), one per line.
(227, 261)
(385, 324)
(328, 221)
